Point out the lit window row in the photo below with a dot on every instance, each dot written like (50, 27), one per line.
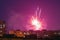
(2, 26)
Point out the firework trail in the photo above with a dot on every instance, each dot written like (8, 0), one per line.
(36, 22)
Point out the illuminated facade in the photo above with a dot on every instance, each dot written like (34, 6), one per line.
(11, 32)
(19, 33)
(2, 28)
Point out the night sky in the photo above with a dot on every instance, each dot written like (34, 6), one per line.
(17, 13)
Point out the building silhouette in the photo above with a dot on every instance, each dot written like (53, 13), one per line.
(2, 28)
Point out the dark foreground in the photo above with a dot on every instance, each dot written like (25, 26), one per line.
(51, 38)
(43, 35)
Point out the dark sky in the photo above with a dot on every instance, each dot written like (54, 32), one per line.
(21, 10)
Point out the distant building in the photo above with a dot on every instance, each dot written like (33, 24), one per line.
(11, 32)
(19, 33)
(2, 27)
